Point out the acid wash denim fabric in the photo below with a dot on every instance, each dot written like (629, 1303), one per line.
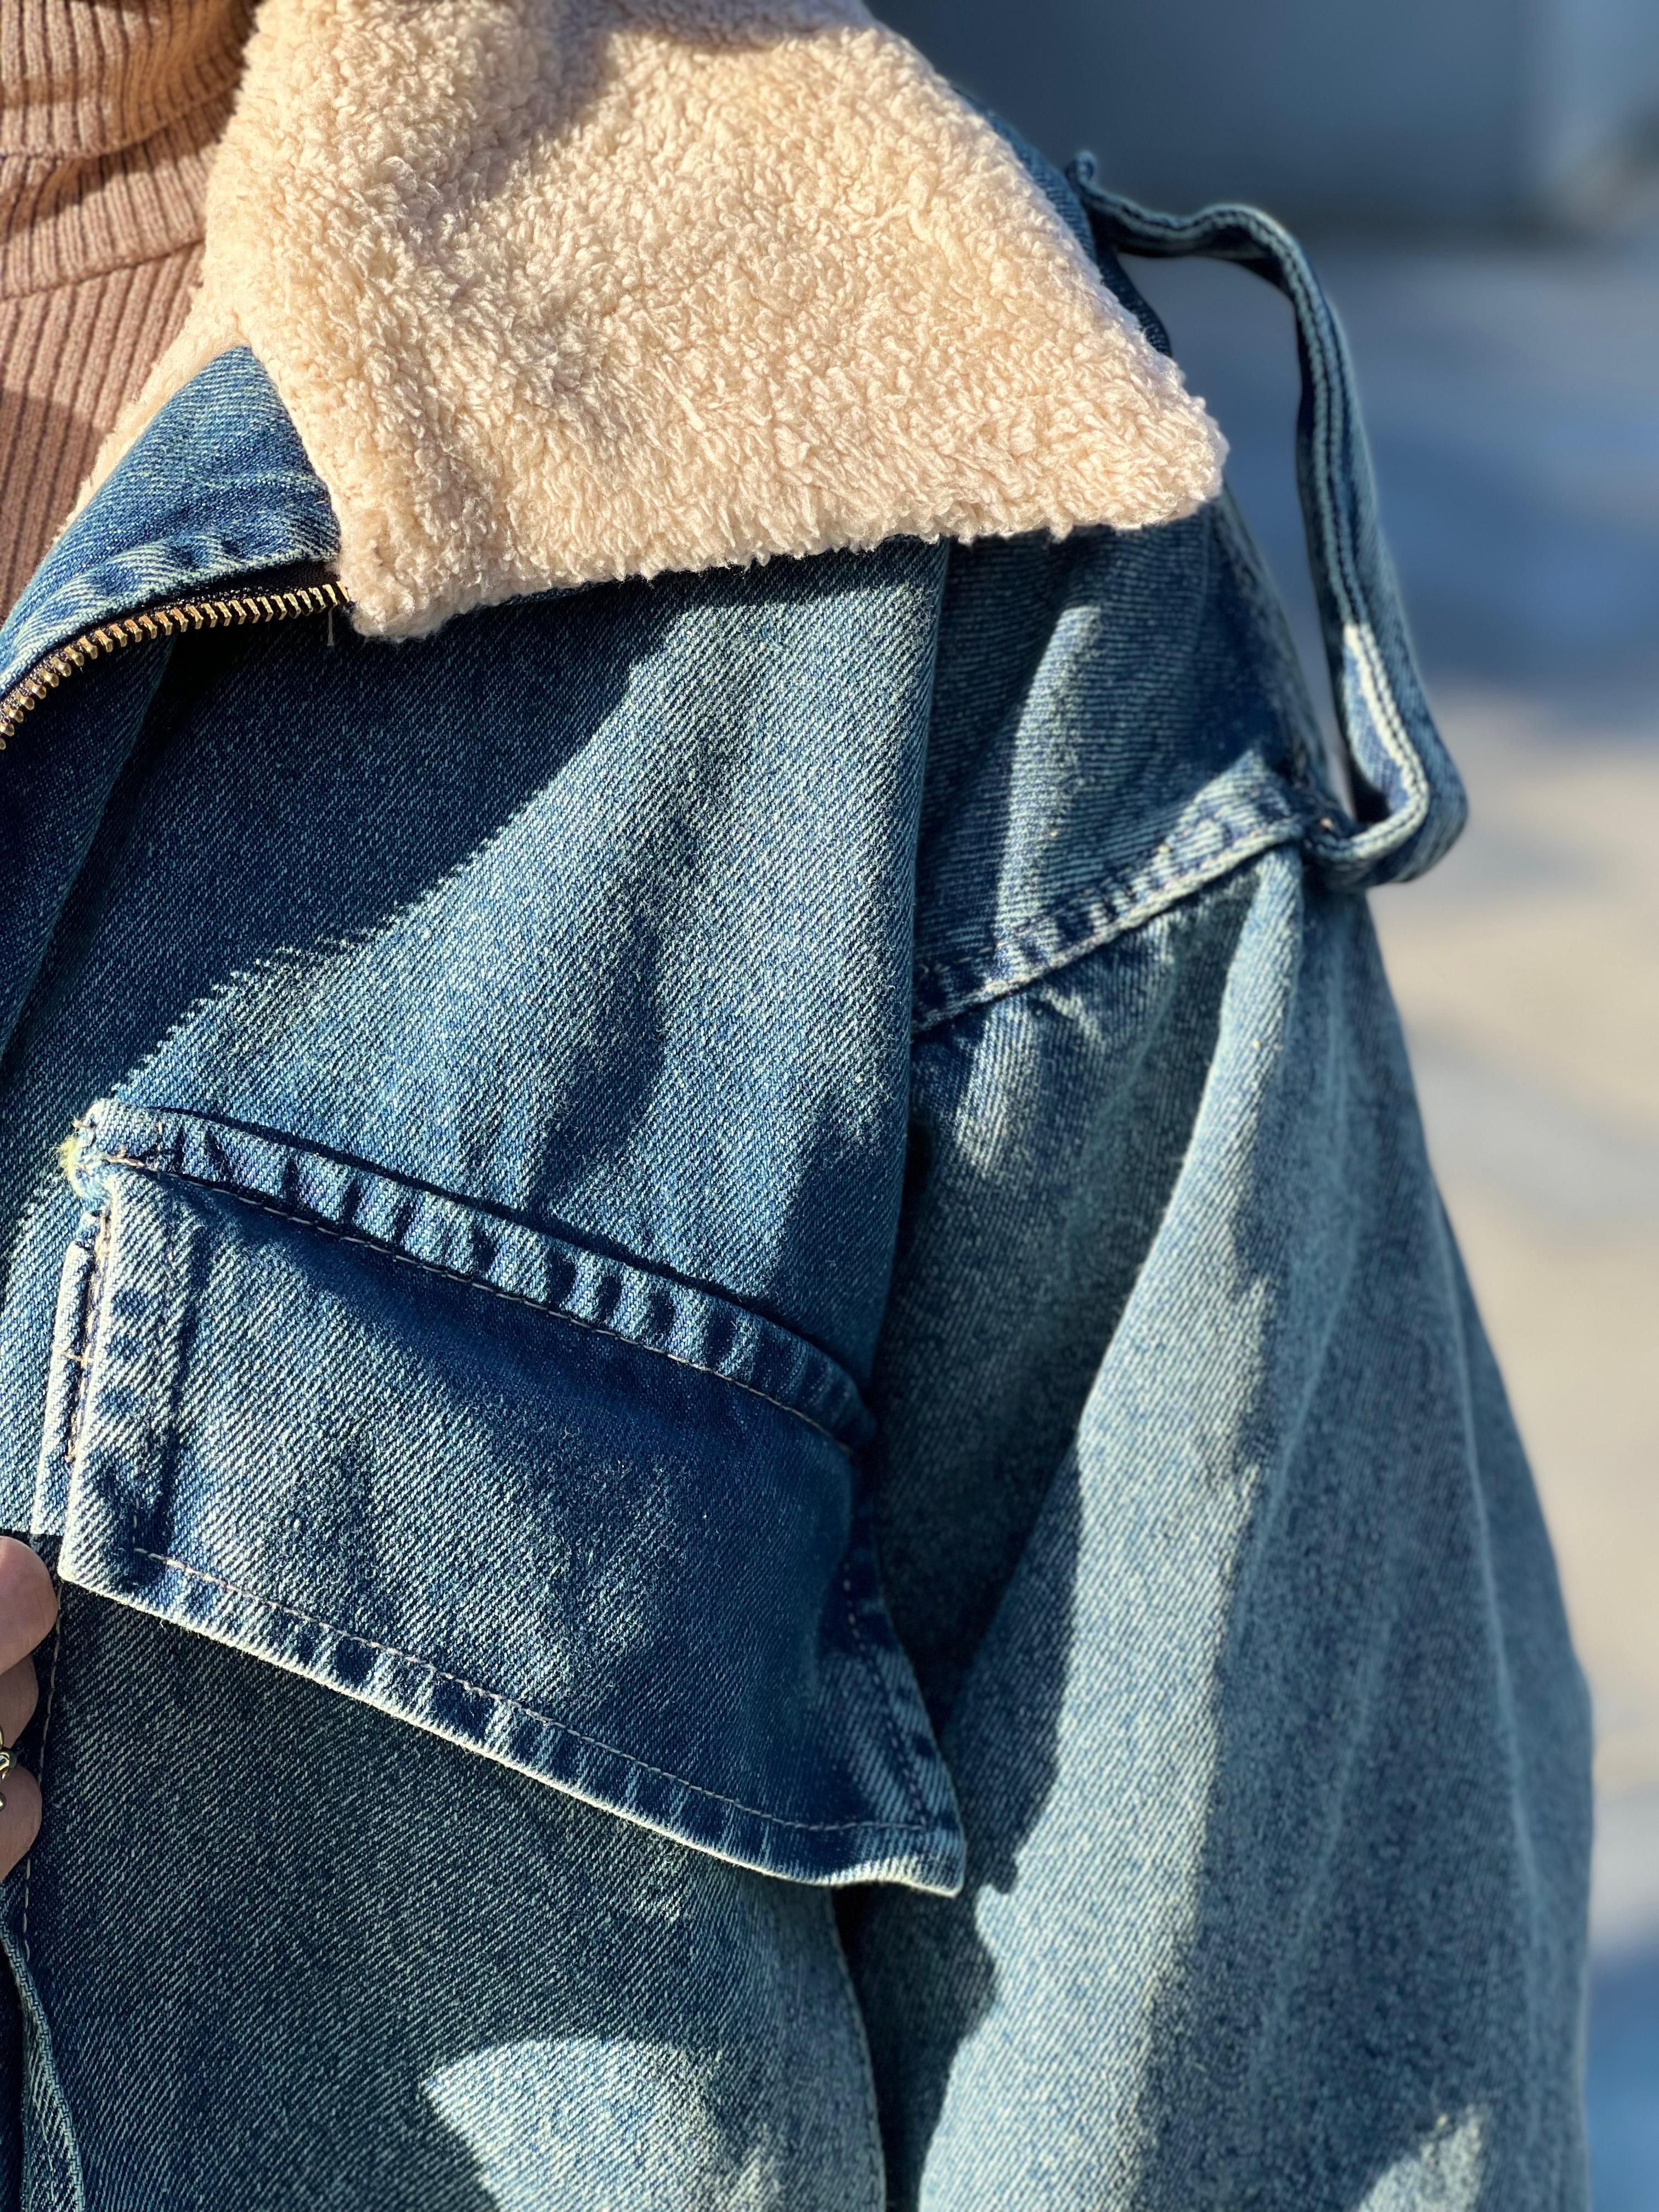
(589, 1131)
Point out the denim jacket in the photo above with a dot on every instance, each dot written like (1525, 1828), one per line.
(752, 1165)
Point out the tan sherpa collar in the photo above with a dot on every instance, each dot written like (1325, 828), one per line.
(559, 290)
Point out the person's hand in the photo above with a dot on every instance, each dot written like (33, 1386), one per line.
(28, 1607)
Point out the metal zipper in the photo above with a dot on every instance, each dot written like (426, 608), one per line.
(175, 620)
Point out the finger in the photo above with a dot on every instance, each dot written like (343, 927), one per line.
(20, 1692)
(20, 1816)
(28, 1603)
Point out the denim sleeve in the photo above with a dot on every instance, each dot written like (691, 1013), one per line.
(1203, 1520)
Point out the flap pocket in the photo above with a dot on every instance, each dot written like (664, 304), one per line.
(584, 1555)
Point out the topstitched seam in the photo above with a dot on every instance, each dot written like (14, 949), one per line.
(942, 1004)
(81, 1358)
(900, 1750)
(120, 1157)
(40, 1774)
(530, 1713)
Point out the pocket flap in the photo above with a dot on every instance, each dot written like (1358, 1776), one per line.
(595, 1561)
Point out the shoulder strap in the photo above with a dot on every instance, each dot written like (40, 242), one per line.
(1408, 798)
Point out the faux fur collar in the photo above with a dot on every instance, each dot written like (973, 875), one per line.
(559, 290)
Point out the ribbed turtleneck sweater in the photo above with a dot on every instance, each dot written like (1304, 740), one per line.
(109, 112)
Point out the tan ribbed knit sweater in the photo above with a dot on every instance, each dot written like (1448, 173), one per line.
(109, 110)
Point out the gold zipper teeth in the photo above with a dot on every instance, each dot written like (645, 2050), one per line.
(160, 622)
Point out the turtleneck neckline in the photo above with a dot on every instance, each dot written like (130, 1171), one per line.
(110, 113)
(81, 77)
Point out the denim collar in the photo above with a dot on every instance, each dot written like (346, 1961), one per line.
(216, 487)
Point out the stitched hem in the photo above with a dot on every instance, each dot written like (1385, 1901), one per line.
(430, 1667)
(924, 1853)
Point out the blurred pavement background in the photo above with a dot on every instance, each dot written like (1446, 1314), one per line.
(1477, 182)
